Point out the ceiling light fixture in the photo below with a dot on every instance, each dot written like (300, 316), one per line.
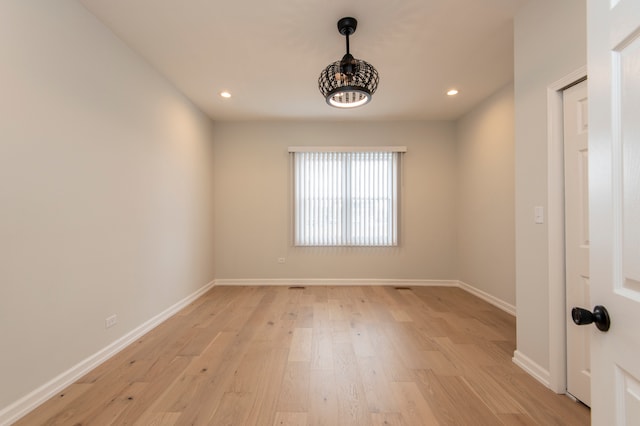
(225, 94)
(452, 92)
(350, 82)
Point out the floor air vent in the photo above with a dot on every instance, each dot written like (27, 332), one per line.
(402, 288)
(297, 287)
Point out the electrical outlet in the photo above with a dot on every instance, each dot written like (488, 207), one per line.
(281, 260)
(110, 321)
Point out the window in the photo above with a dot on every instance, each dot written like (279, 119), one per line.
(346, 197)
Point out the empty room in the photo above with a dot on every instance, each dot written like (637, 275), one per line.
(373, 212)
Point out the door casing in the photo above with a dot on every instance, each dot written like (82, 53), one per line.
(555, 226)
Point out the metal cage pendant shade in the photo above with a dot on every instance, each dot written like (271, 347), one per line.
(350, 82)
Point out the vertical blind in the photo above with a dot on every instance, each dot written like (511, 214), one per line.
(346, 198)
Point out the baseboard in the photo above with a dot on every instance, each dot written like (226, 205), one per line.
(32, 400)
(527, 364)
(499, 303)
(334, 282)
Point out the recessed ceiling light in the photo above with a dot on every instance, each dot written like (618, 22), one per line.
(452, 92)
(225, 94)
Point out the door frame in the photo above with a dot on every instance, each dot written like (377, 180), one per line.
(555, 230)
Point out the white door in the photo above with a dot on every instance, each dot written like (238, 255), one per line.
(613, 29)
(576, 186)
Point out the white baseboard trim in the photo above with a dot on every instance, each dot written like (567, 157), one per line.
(527, 364)
(499, 303)
(334, 282)
(29, 402)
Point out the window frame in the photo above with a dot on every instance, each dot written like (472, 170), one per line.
(397, 181)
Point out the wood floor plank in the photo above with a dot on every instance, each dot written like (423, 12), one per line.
(267, 387)
(233, 409)
(57, 404)
(319, 293)
(294, 391)
(366, 308)
(388, 354)
(159, 419)
(499, 399)
(345, 363)
(400, 315)
(338, 310)
(422, 340)
(290, 419)
(153, 388)
(438, 362)
(414, 407)
(359, 335)
(321, 315)
(376, 386)
(387, 419)
(444, 394)
(251, 369)
(100, 398)
(516, 419)
(305, 313)
(218, 309)
(210, 392)
(323, 400)
(528, 392)
(322, 349)
(352, 404)
(123, 402)
(408, 349)
(317, 356)
(300, 350)
(175, 398)
(467, 356)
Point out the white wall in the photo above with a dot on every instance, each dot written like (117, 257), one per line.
(106, 192)
(550, 43)
(485, 196)
(252, 205)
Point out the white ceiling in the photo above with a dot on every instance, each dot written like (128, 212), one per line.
(269, 53)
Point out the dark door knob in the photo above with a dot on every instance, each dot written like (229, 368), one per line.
(600, 317)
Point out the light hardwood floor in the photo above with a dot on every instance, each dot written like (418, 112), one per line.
(318, 356)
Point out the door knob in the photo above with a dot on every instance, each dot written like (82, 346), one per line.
(599, 316)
